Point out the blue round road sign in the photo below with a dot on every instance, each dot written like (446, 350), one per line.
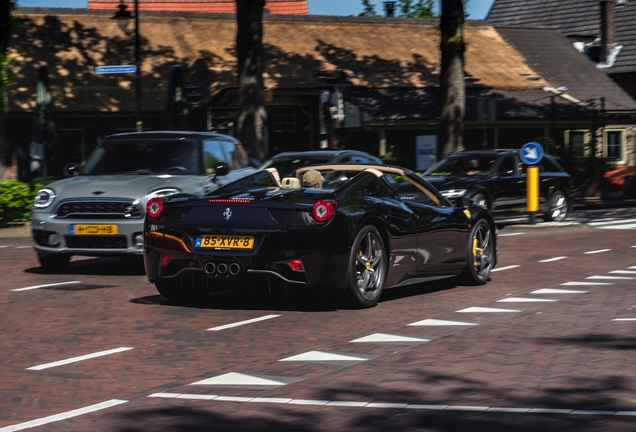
(531, 153)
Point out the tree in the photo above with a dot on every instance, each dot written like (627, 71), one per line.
(6, 20)
(369, 9)
(452, 87)
(249, 50)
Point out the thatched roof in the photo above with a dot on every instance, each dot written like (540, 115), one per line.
(374, 52)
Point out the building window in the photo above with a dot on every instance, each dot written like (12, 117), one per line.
(578, 143)
(284, 119)
(614, 142)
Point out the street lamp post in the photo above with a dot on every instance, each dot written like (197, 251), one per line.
(123, 17)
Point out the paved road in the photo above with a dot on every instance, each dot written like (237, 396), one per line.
(546, 345)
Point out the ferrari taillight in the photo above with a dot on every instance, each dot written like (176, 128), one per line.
(324, 210)
(154, 208)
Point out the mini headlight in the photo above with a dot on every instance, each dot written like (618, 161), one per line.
(44, 198)
(453, 193)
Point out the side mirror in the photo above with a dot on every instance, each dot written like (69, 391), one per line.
(221, 169)
(71, 170)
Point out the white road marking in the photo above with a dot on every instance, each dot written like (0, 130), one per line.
(45, 286)
(504, 268)
(393, 405)
(80, 358)
(240, 323)
(557, 291)
(617, 227)
(523, 300)
(632, 267)
(553, 259)
(1, 247)
(624, 319)
(382, 337)
(510, 234)
(623, 271)
(577, 283)
(487, 310)
(611, 277)
(596, 251)
(22, 247)
(238, 379)
(607, 223)
(63, 416)
(323, 356)
(436, 322)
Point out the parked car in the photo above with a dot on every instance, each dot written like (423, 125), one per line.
(379, 227)
(497, 180)
(99, 210)
(288, 162)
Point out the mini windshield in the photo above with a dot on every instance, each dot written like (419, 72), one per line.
(474, 165)
(175, 157)
(286, 166)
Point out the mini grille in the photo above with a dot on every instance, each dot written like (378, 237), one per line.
(98, 210)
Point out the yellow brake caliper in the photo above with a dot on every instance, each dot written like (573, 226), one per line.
(475, 249)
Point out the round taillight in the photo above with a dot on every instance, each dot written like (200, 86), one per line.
(324, 210)
(154, 208)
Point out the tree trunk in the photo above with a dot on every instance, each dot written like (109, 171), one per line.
(249, 48)
(452, 87)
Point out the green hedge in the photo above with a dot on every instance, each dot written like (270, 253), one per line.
(16, 199)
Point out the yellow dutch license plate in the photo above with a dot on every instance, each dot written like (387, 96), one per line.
(93, 229)
(225, 241)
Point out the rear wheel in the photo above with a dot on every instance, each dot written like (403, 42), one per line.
(480, 254)
(54, 263)
(182, 290)
(367, 269)
(557, 208)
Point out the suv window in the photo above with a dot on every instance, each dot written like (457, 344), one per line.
(236, 153)
(213, 153)
(507, 167)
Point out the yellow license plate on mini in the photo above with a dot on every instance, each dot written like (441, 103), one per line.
(225, 241)
(93, 229)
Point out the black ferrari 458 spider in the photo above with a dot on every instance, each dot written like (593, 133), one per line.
(358, 229)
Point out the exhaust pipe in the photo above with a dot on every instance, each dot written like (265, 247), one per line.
(221, 268)
(234, 269)
(210, 268)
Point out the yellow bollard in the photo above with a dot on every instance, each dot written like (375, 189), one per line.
(532, 191)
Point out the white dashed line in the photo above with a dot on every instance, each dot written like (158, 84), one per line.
(611, 222)
(524, 300)
(240, 323)
(557, 291)
(80, 358)
(513, 234)
(624, 319)
(1, 247)
(388, 338)
(487, 310)
(239, 379)
(63, 416)
(22, 247)
(393, 405)
(45, 286)
(553, 259)
(436, 322)
(504, 268)
(577, 283)
(596, 251)
(323, 356)
(623, 271)
(611, 277)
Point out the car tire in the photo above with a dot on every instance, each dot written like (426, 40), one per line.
(480, 253)
(181, 290)
(480, 198)
(367, 269)
(54, 263)
(556, 207)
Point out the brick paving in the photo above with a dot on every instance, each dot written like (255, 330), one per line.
(567, 355)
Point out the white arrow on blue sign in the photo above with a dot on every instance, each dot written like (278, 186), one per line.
(531, 153)
(115, 69)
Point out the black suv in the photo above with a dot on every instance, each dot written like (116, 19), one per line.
(496, 179)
